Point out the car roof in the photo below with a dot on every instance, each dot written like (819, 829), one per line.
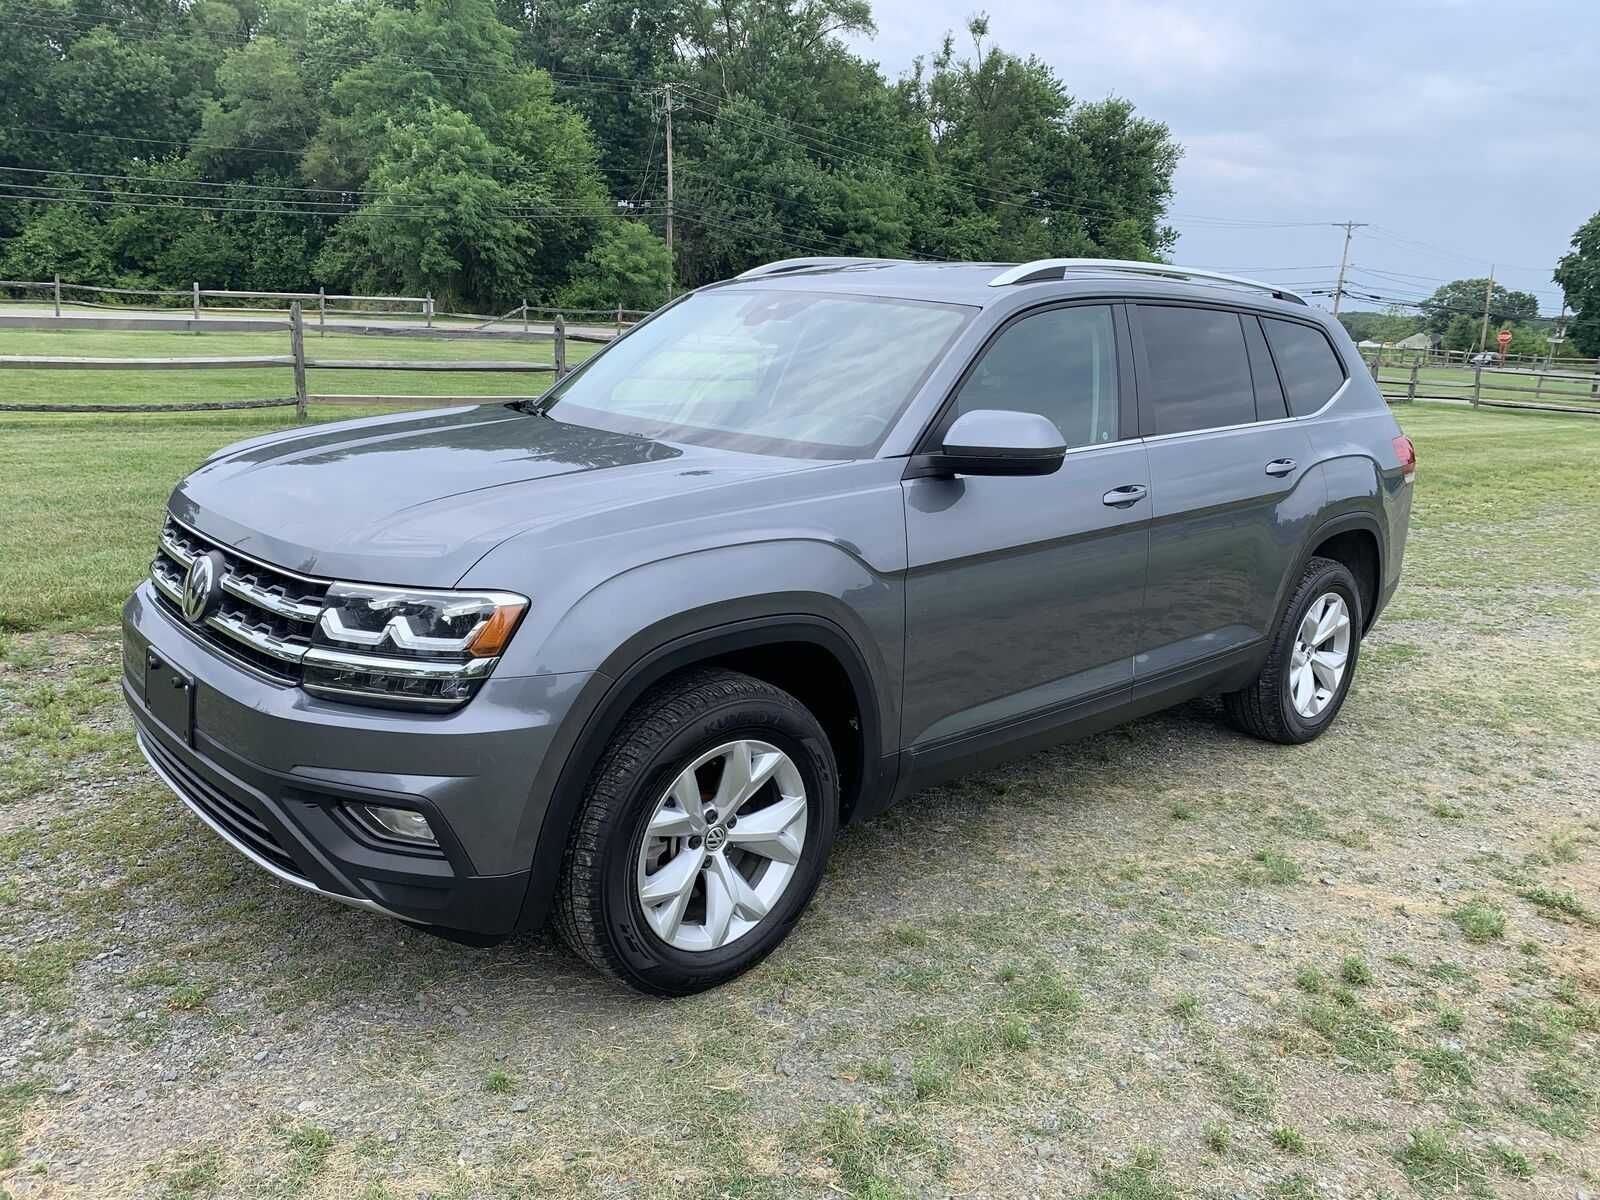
(969, 283)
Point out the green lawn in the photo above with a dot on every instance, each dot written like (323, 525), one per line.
(20, 385)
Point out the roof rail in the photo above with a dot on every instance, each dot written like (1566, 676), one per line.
(1057, 268)
(788, 266)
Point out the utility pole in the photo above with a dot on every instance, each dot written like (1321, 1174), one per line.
(1488, 291)
(1349, 228)
(670, 259)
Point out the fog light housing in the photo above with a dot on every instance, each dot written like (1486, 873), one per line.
(401, 823)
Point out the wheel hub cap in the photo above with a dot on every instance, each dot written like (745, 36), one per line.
(1321, 650)
(722, 845)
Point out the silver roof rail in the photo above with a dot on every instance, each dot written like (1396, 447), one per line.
(789, 265)
(1057, 268)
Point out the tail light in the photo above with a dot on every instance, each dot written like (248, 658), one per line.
(1407, 454)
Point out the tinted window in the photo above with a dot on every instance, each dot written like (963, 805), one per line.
(1061, 364)
(1270, 405)
(1199, 371)
(1309, 367)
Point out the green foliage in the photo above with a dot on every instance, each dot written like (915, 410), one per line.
(1578, 273)
(627, 266)
(286, 144)
(1461, 333)
(1465, 297)
(1480, 920)
(1389, 326)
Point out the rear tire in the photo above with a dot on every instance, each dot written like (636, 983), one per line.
(682, 746)
(1290, 701)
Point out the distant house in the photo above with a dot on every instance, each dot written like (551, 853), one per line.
(1419, 341)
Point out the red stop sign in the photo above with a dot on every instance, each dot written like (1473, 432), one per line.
(1504, 338)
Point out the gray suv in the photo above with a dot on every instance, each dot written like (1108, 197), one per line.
(801, 543)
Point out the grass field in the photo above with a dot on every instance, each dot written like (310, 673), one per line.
(187, 387)
(1165, 962)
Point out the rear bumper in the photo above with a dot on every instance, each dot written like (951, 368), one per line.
(276, 773)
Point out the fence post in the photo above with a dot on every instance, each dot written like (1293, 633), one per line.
(427, 308)
(619, 318)
(1411, 387)
(297, 348)
(322, 307)
(1477, 385)
(524, 314)
(58, 293)
(196, 297)
(561, 347)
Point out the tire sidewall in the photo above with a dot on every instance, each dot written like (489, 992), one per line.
(1333, 577)
(652, 963)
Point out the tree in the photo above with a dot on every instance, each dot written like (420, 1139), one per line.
(627, 266)
(1391, 325)
(1578, 273)
(442, 219)
(1465, 296)
(1461, 333)
(61, 237)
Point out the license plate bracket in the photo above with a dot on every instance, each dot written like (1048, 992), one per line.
(169, 695)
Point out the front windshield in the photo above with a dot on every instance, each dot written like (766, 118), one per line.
(800, 373)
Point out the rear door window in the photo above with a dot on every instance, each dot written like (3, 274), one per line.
(1198, 370)
(1310, 369)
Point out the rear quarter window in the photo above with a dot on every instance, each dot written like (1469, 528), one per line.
(1307, 364)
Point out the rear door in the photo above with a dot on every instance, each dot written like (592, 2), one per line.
(1230, 485)
(1024, 594)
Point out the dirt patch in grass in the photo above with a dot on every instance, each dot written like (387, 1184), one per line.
(1042, 979)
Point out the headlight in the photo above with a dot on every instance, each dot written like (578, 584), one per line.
(419, 648)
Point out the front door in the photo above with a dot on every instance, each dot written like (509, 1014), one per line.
(1023, 595)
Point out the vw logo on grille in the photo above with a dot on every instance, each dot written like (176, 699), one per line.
(202, 585)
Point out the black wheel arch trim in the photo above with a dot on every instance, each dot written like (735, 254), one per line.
(1345, 522)
(632, 669)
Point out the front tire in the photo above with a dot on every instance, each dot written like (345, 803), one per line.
(1307, 675)
(702, 836)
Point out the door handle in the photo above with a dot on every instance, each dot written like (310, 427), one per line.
(1280, 466)
(1125, 496)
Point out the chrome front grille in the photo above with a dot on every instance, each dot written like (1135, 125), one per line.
(265, 616)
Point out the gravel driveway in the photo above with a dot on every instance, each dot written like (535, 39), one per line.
(1166, 961)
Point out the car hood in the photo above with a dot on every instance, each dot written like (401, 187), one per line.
(416, 499)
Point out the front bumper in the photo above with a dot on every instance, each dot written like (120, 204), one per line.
(274, 772)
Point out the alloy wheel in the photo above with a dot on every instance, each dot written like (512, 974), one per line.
(722, 845)
(1321, 650)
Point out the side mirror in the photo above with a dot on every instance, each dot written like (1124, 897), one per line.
(992, 441)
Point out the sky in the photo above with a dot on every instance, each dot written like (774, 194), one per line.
(1464, 133)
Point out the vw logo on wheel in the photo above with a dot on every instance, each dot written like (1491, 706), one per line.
(716, 838)
(202, 585)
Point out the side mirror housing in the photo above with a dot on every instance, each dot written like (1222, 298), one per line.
(992, 441)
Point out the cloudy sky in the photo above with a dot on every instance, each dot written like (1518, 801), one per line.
(1466, 133)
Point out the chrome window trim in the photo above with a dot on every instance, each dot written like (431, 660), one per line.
(1162, 437)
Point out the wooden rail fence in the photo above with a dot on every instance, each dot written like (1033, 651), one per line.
(297, 359)
(1488, 386)
(412, 306)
